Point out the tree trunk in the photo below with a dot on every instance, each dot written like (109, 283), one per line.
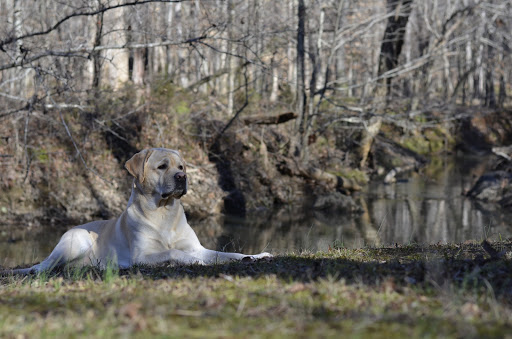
(503, 92)
(319, 52)
(195, 32)
(259, 76)
(297, 143)
(315, 58)
(169, 49)
(17, 19)
(138, 66)
(291, 66)
(490, 95)
(447, 82)
(407, 91)
(469, 65)
(231, 59)
(96, 55)
(275, 79)
(479, 81)
(394, 37)
(503, 83)
(116, 72)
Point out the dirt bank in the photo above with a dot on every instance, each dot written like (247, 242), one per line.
(72, 170)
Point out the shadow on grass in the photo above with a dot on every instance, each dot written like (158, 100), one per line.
(467, 266)
(467, 274)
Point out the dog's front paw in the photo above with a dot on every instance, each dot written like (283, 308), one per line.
(252, 258)
(262, 255)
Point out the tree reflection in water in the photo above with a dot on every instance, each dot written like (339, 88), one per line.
(427, 207)
(422, 208)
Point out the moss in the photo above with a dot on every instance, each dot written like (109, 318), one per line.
(163, 89)
(42, 156)
(436, 166)
(353, 174)
(429, 141)
(286, 94)
(321, 142)
(417, 143)
(182, 108)
(396, 162)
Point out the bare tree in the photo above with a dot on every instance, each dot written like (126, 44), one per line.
(319, 58)
(298, 144)
(394, 37)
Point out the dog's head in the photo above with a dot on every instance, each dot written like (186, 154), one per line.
(160, 172)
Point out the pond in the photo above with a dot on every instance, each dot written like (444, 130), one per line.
(427, 207)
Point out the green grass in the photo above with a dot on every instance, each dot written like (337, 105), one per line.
(412, 291)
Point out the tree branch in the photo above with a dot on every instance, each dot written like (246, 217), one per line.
(84, 52)
(101, 9)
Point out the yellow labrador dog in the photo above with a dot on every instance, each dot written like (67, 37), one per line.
(152, 229)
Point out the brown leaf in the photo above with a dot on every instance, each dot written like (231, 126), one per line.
(130, 310)
(298, 287)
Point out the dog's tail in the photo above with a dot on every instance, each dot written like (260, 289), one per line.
(18, 271)
(46, 265)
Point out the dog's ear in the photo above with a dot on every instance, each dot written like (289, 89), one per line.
(137, 164)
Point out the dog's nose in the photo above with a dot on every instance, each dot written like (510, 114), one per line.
(180, 177)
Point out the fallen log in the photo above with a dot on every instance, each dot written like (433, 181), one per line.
(329, 178)
(289, 167)
(391, 176)
(504, 152)
(262, 119)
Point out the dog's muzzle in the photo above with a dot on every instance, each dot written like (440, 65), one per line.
(180, 180)
(180, 177)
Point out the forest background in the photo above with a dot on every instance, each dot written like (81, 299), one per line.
(295, 103)
(270, 102)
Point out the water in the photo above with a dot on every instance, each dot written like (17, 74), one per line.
(425, 208)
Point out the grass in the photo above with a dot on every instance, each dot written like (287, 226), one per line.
(420, 291)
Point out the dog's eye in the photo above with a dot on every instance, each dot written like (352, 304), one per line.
(162, 166)
(180, 168)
